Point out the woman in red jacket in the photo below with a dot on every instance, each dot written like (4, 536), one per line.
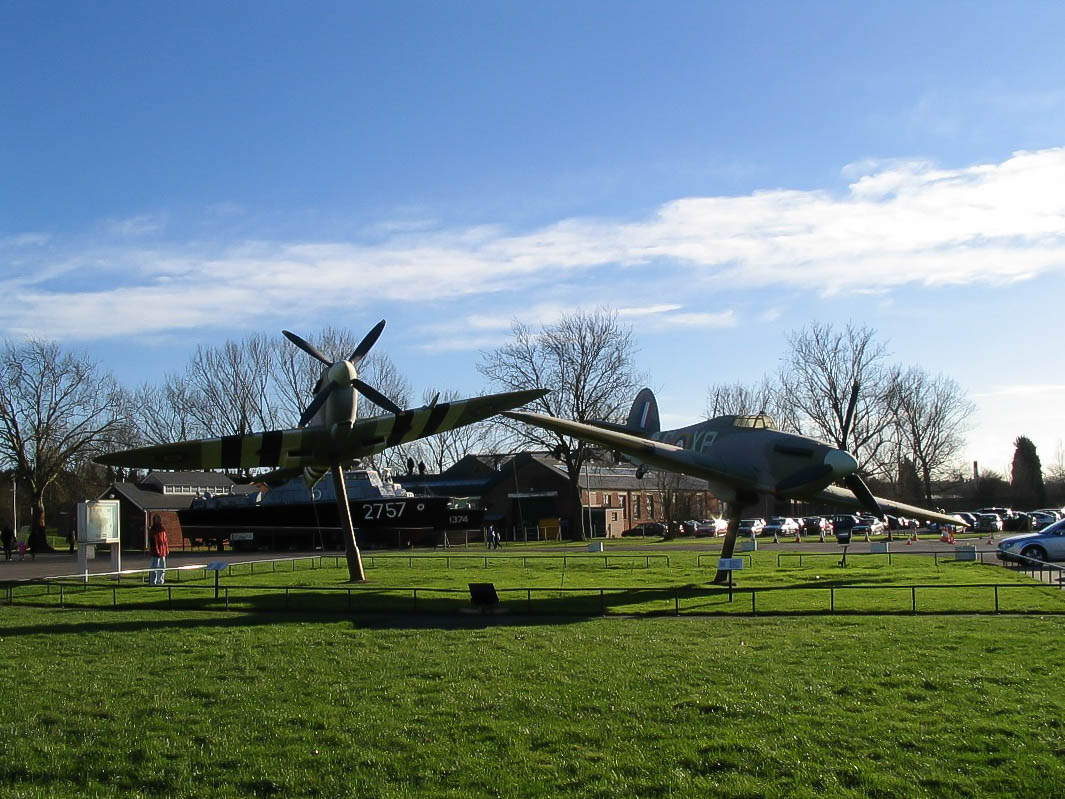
(160, 548)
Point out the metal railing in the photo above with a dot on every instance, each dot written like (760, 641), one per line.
(530, 600)
(936, 554)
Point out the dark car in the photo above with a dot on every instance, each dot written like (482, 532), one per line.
(844, 521)
(646, 528)
(815, 525)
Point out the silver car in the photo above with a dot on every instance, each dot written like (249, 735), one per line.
(1046, 545)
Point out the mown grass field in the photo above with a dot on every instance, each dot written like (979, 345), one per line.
(146, 701)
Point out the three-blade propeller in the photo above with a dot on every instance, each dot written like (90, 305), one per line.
(343, 373)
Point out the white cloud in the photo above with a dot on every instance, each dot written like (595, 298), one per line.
(899, 222)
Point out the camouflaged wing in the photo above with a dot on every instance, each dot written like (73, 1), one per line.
(317, 446)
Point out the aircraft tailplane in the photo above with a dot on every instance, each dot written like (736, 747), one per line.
(644, 414)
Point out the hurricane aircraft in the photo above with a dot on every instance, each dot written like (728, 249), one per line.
(330, 433)
(742, 457)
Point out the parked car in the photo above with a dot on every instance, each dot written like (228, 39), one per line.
(844, 521)
(1041, 519)
(1046, 545)
(712, 527)
(868, 524)
(751, 526)
(815, 525)
(988, 523)
(646, 528)
(781, 526)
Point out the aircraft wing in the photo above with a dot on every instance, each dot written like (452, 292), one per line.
(645, 450)
(843, 497)
(318, 446)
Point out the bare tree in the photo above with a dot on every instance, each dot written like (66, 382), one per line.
(932, 416)
(56, 410)
(164, 413)
(821, 365)
(229, 388)
(740, 399)
(587, 360)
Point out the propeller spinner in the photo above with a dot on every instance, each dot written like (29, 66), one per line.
(343, 373)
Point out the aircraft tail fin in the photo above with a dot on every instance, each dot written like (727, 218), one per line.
(644, 414)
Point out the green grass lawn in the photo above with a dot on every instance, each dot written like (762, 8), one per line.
(145, 701)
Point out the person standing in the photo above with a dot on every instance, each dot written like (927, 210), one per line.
(160, 548)
(7, 538)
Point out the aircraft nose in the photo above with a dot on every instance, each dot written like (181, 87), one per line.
(841, 462)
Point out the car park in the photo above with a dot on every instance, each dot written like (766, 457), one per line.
(1046, 545)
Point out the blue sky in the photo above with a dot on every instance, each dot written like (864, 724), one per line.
(176, 173)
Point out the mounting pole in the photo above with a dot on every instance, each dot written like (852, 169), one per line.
(728, 546)
(351, 549)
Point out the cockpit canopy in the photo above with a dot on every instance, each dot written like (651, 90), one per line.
(757, 421)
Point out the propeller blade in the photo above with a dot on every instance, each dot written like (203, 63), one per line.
(316, 403)
(849, 416)
(864, 495)
(376, 397)
(815, 477)
(307, 347)
(364, 346)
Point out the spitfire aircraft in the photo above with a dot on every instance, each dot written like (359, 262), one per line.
(330, 433)
(741, 457)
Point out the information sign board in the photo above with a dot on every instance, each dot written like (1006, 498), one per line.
(730, 564)
(98, 521)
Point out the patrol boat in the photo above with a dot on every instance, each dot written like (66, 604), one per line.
(291, 517)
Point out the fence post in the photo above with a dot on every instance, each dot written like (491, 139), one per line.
(754, 610)
(114, 596)
(60, 595)
(832, 599)
(169, 598)
(676, 603)
(913, 598)
(528, 599)
(996, 599)
(415, 600)
(227, 597)
(602, 605)
(349, 600)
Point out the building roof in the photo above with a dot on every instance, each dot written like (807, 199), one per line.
(147, 498)
(194, 479)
